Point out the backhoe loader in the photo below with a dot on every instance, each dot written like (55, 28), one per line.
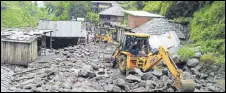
(104, 34)
(128, 57)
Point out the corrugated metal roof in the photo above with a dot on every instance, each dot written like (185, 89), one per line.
(115, 10)
(142, 13)
(64, 28)
(158, 26)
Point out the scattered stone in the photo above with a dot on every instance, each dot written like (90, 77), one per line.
(176, 58)
(116, 89)
(108, 88)
(203, 75)
(196, 90)
(140, 89)
(121, 82)
(198, 86)
(157, 72)
(170, 90)
(146, 76)
(142, 84)
(133, 78)
(149, 85)
(192, 62)
(91, 74)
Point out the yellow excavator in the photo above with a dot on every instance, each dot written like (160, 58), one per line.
(139, 55)
(104, 35)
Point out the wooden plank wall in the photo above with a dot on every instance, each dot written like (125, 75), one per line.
(18, 53)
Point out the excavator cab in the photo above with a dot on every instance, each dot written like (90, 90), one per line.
(104, 33)
(134, 51)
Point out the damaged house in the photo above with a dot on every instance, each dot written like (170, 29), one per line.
(19, 46)
(112, 15)
(99, 6)
(161, 32)
(65, 33)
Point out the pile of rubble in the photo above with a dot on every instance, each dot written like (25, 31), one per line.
(83, 69)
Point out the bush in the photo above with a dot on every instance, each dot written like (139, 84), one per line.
(185, 53)
(209, 57)
(220, 59)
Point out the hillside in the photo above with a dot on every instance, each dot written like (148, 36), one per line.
(21, 14)
(206, 21)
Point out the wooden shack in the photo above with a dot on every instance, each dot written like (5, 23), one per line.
(19, 52)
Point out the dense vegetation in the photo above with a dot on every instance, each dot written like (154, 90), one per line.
(206, 19)
(21, 14)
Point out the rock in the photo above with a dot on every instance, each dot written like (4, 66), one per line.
(197, 85)
(203, 75)
(95, 67)
(146, 76)
(160, 84)
(149, 85)
(170, 90)
(84, 72)
(65, 53)
(33, 89)
(176, 58)
(212, 73)
(165, 71)
(108, 88)
(132, 78)
(140, 89)
(196, 90)
(116, 89)
(164, 78)
(198, 54)
(192, 62)
(186, 75)
(71, 51)
(142, 84)
(127, 89)
(138, 71)
(157, 72)
(212, 88)
(28, 86)
(91, 74)
(196, 72)
(121, 82)
(66, 85)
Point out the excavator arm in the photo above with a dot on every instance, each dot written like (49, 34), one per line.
(162, 54)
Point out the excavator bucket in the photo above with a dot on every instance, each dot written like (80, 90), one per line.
(188, 85)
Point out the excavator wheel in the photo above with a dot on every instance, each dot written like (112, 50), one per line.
(122, 64)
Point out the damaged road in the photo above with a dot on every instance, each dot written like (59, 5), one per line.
(83, 69)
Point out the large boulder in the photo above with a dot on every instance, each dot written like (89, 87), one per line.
(149, 85)
(192, 62)
(109, 87)
(157, 72)
(146, 76)
(176, 58)
(132, 78)
(116, 89)
(121, 82)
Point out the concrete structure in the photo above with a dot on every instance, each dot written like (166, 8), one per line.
(99, 6)
(113, 14)
(19, 47)
(137, 18)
